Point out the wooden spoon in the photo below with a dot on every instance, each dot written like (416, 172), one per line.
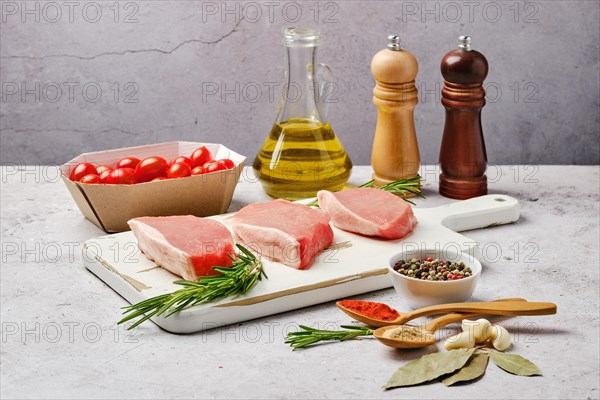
(422, 336)
(480, 308)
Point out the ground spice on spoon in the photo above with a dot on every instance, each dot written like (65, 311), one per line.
(371, 309)
(408, 333)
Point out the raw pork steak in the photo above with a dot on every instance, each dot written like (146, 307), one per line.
(369, 211)
(187, 246)
(290, 233)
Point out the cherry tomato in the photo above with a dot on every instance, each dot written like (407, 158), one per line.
(213, 166)
(101, 168)
(159, 178)
(122, 176)
(91, 178)
(201, 156)
(128, 162)
(179, 170)
(227, 163)
(150, 168)
(182, 159)
(198, 170)
(81, 170)
(104, 176)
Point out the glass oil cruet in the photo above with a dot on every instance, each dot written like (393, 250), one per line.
(302, 155)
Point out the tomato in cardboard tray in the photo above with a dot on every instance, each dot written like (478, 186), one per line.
(201, 156)
(150, 168)
(91, 178)
(198, 170)
(184, 159)
(81, 170)
(101, 168)
(229, 164)
(128, 162)
(214, 166)
(179, 170)
(104, 175)
(121, 176)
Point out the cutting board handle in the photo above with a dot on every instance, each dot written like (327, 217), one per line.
(479, 212)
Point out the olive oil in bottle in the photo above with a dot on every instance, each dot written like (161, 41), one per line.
(299, 158)
(302, 155)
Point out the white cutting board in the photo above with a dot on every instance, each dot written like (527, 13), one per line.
(355, 265)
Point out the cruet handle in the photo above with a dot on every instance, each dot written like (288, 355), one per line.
(327, 90)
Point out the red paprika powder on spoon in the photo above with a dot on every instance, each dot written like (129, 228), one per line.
(371, 309)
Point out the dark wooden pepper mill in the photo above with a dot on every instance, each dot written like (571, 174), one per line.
(463, 159)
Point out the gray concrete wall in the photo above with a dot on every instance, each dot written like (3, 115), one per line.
(91, 75)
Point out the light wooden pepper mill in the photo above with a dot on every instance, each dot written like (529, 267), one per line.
(395, 153)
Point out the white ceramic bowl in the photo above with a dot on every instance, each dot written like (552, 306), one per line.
(418, 293)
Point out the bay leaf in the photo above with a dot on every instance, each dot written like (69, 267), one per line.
(515, 364)
(472, 370)
(428, 367)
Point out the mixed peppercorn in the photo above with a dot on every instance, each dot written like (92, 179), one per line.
(433, 269)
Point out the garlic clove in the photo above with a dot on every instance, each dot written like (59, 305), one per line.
(477, 329)
(499, 336)
(462, 340)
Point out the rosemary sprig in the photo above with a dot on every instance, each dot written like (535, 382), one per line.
(314, 203)
(402, 187)
(309, 336)
(246, 270)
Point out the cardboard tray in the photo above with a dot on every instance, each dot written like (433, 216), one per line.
(111, 206)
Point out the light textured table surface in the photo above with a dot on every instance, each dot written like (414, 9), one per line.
(60, 340)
